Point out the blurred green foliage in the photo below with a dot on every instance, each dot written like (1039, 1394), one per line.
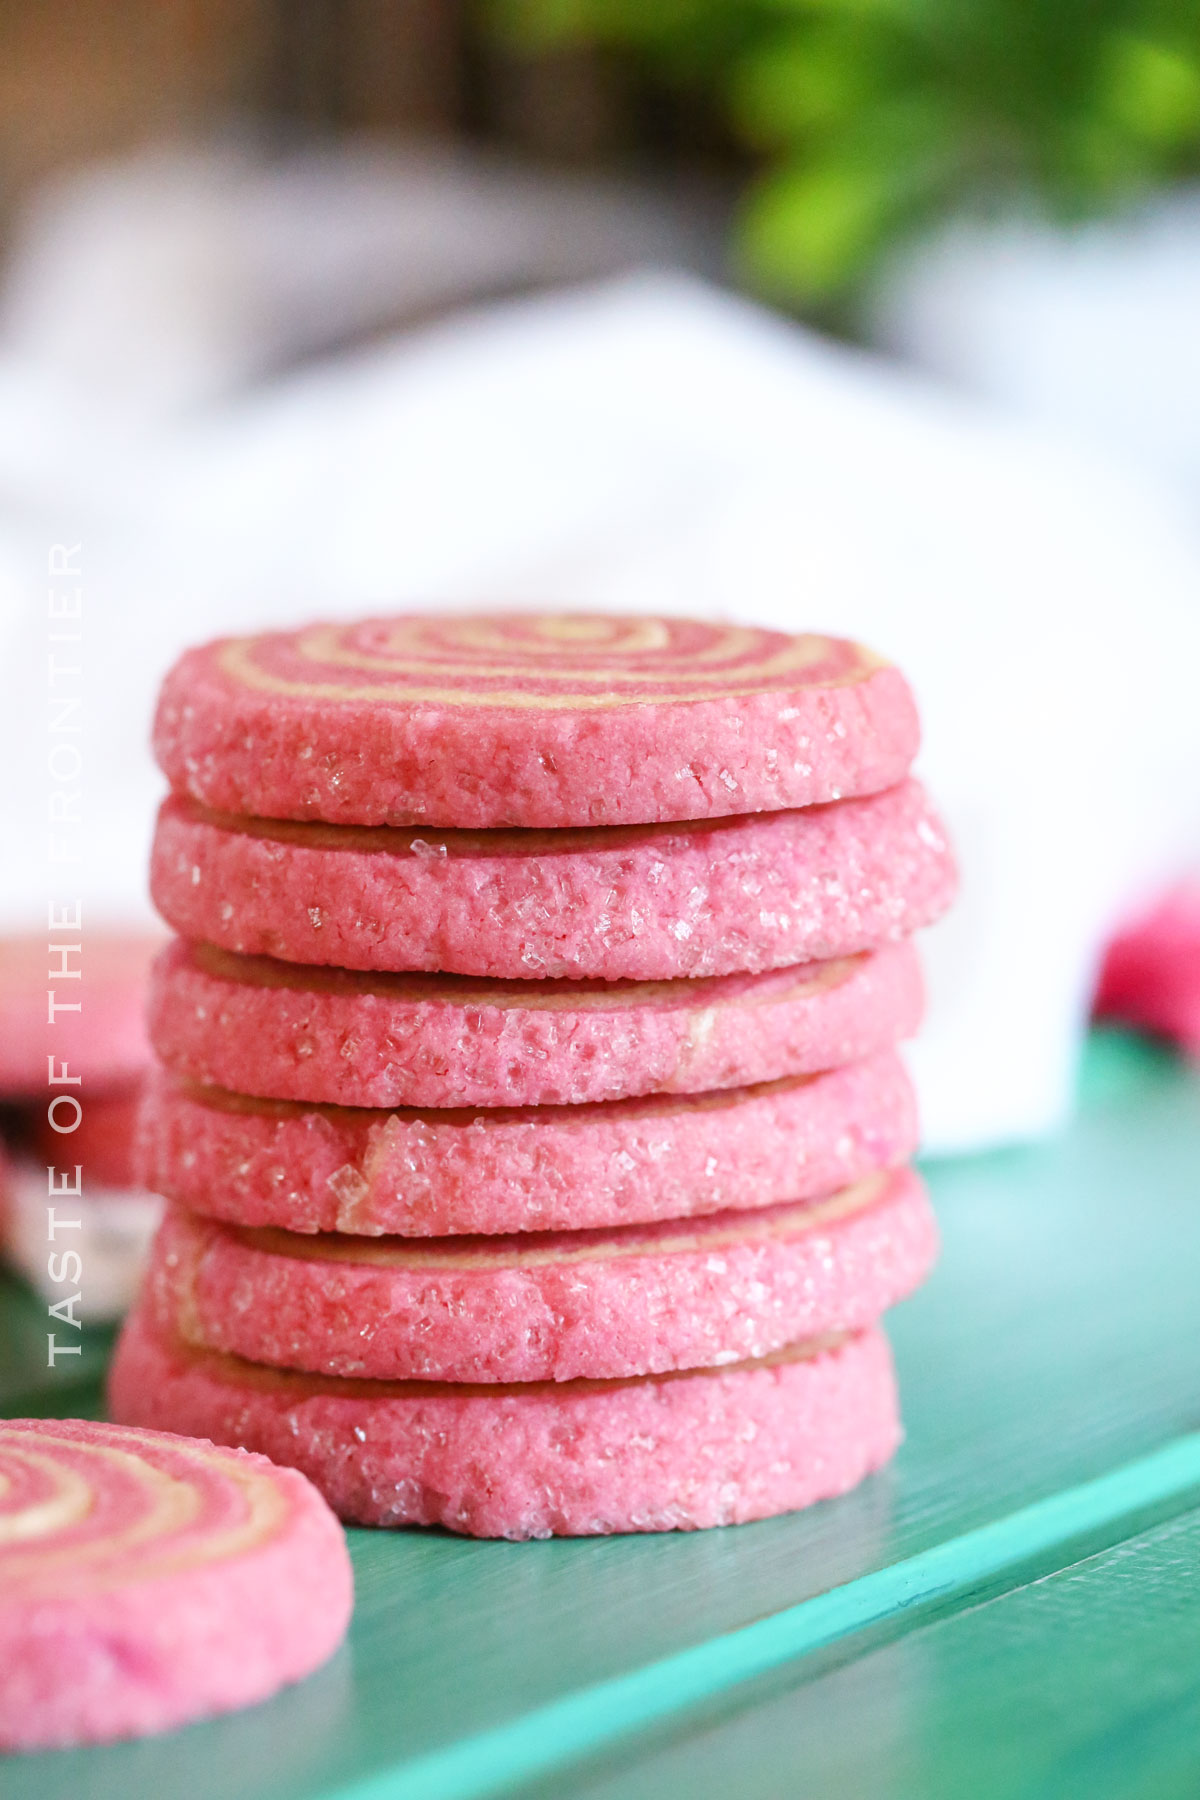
(870, 119)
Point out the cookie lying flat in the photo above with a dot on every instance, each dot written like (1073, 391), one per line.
(105, 1041)
(659, 1453)
(546, 1306)
(643, 903)
(147, 1580)
(428, 1174)
(531, 720)
(292, 1033)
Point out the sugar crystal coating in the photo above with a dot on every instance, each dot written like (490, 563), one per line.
(550, 1306)
(284, 1031)
(543, 1168)
(658, 1453)
(643, 903)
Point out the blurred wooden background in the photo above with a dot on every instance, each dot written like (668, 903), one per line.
(79, 78)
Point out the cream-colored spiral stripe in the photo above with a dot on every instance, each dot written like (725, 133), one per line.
(602, 663)
(46, 1545)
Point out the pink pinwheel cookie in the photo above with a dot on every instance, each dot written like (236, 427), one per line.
(534, 720)
(147, 1580)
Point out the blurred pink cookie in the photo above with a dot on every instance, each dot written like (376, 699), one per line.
(7, 1199)
(656, 1453)
(641, 903)
(426, 1174)
(105, 1041)
(530, 720)
(102, 1142)
(148, 1580)
(116, 1219)
(1151, 973)
(284, 1031)
(546, 1306)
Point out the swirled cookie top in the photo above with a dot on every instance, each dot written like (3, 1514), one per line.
(538, 661)
(87, 1508)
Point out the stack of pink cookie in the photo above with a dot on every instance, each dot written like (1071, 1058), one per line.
(529, 1103)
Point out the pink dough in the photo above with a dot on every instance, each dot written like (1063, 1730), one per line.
(547, 1306)
(147, 1580)
(105, 1042)
(658, 1453)
(292, 1033)
(530, 720)
(639, 903)
(426, 1174)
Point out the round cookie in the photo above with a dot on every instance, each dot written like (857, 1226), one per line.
(546, 1306)
(148, 1580)
(641, 903)
(543, 1168)
(656, 1453)
(105, 1042)
(292, 1033)
(531, 720)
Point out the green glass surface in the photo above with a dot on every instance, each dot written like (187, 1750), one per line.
(1058, 1340)
(1084, 1684)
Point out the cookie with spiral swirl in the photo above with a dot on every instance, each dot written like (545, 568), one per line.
(147, 1580)
(535, 720)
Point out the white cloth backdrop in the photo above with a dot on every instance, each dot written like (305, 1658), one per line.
(654, 443)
